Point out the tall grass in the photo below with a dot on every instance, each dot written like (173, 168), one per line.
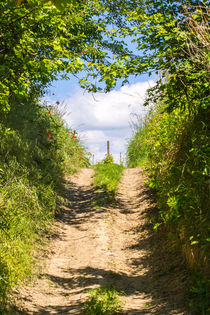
(137, 150)
(106, 179)
(36, 150)
(178, 159)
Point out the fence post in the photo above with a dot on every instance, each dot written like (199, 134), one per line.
(108, 148)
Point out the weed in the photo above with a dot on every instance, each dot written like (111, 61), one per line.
(102, 301)
(148, 304)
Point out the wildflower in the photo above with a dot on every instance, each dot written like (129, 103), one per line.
(48, 134)
(69, 132)
(48, 112)
(57, 102)
(73, 136)
(53, 94)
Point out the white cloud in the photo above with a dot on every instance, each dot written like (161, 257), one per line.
(92, 135)
(105, 117)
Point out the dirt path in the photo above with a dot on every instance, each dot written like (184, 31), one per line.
(108, 246)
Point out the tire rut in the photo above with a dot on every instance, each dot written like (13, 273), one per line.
(110, 246)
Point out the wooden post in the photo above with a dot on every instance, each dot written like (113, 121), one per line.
(108, 148)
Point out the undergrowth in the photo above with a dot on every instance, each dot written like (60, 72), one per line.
(177, 151)
(199, 293)
(102, 301)
(36, 150)
(106, 179)
(137, 150)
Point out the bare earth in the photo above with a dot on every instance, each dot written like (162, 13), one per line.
(108, 246)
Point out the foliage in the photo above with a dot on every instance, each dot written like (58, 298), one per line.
(44, 40)
(106, 179)
(36, 149)
(180, 156)
(178, 160)
(170, 37)
(175, 136)
(108, 159)
(39, 43)
(89, 35)
(137, 150)
(60, 4)
(200, 293)
(102, 301)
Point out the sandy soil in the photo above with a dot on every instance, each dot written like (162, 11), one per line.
(108, 246)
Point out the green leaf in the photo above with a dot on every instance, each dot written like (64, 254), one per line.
(194, 242)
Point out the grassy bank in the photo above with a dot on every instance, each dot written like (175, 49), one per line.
(176, 147)
(36, 149)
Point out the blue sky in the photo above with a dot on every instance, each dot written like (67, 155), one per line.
(104, 116)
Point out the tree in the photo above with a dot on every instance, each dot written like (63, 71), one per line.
(39, 42)
(172, 38)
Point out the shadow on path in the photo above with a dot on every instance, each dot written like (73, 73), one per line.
(164, 277)
(79, 206)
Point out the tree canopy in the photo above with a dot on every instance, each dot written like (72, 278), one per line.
(39, 42)
(172, 39)
(42, 39)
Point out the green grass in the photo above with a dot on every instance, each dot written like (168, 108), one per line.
(137, 150)
(106, 180)
(103, 301)
(177, 150)
(36, 150)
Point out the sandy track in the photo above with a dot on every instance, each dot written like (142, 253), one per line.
(108, 246)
